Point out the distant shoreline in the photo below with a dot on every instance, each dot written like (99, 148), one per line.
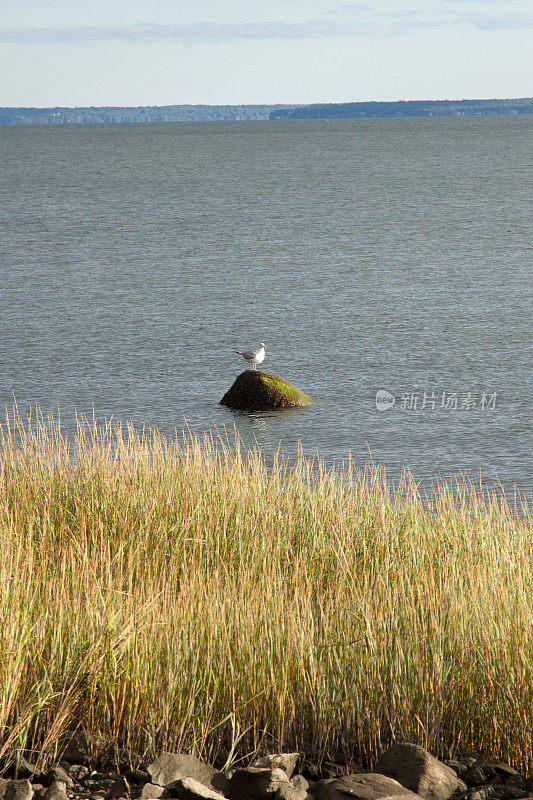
(60, 115)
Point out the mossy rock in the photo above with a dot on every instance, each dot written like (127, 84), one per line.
(255, 390)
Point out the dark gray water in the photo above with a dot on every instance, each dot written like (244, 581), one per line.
(368, 255)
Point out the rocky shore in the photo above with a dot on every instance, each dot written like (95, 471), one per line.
(403, 771)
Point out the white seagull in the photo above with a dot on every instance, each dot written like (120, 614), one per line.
(254, 357)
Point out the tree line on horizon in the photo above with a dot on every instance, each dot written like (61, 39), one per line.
(240, 113)
(106, 114)
(406, 108)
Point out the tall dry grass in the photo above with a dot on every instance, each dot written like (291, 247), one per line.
(180, 595)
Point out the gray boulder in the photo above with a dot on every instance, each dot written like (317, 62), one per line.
(482, 792)
(474, 775)
(57, 790)
(285, 761)
(3, 784)
(292, 793)
(300, 782)
(419, 771)
(256, 783)
(99, 783)
(78, 772)
(169, 767)
(362, 786)
(151, 791)
(513, 791)
(18, 790)
(58, 774)
(191, 789)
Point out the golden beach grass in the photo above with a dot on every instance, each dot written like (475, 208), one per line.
(180, 595)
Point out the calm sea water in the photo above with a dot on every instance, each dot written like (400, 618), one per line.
(369, 255)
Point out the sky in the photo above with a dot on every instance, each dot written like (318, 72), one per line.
(164, 52)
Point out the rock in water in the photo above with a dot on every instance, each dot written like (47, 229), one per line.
(255, 390)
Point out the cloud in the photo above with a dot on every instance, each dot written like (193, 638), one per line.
(200, 31)
(510, 21)
(393, 24)
(348, 8)
(473, 2)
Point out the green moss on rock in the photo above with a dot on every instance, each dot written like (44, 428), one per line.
(255, 390)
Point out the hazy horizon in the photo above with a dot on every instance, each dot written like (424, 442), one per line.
(260, 103)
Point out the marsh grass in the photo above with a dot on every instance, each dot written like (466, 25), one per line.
(180, 595)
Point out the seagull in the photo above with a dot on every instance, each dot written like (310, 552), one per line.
(256, 356)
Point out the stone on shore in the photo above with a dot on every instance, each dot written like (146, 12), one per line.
(255, 390)
(291, 792)
(170, 767)
(189, 789)
(256, 783)
(78, 772)
(268, 779)
(419, 771)
(18, 790)
(361, 786)
(299, 782)
(152, 791)
(57, 790)
(58, 774)
(285, 761)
